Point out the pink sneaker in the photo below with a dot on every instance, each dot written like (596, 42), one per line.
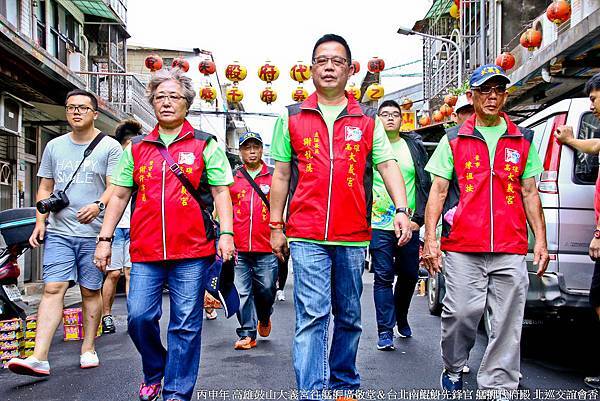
(150, 392)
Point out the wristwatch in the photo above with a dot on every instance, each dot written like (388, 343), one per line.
(107, 239)
(101, 205)
(597, 233)
(405, 210)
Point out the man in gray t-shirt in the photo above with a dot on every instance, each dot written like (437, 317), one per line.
(70, 237)
(60, 160)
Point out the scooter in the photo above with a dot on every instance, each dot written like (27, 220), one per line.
(11, 301)
(16, 226)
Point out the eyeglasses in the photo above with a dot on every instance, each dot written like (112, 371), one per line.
(336, 60)
(171, 98)
(385, 114)
(79, 109)
(487, 89)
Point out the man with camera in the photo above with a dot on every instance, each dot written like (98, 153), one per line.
(74, 189)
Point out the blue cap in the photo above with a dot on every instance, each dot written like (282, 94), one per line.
(221, 286)
(250, 135)
(486, 72)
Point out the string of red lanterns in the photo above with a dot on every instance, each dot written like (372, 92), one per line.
(268, 72)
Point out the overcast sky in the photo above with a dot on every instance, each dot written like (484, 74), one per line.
(283, 32)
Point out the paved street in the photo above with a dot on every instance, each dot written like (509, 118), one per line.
(553, 364)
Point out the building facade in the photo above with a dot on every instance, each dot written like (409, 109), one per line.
(47, 48)
(553, 71)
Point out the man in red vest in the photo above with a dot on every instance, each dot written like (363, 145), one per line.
(256, 268)
(485, 186)
(325, 149)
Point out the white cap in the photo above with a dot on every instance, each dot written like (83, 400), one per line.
(461, 102)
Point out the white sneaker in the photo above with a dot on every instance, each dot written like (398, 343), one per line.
(280, 295)
(88, 360)
(29, 366)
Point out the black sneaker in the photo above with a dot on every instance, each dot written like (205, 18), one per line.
(108, 324)
(593, 382)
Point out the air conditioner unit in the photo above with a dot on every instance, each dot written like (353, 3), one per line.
(11, 115)
(74, 61)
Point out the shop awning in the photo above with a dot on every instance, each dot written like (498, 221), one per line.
(439, 7)
(97, 8)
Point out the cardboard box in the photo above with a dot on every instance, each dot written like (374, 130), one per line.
(6, 356)
(76, 332)
(10, 335)
(72, 332)
(72, 317)
(10, 325)
(9, 345)
(31, 322)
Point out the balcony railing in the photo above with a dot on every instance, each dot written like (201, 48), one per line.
(124, 92)
(441, 68)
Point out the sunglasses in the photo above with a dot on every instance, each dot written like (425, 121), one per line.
(487, 89)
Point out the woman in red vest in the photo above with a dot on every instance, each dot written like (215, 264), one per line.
(172, 235)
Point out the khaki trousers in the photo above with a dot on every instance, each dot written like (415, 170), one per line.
(476, 282)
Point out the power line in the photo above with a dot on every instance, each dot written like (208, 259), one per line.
(403, 65)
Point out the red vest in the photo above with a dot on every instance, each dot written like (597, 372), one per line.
(250, 215)
(167, 223)
(490, 216)
(331, 187)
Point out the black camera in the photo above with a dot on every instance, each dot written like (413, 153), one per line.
(57, 201)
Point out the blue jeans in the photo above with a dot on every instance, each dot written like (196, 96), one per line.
(179, 364)
(255, 277)
(391, 306)
(327, 278)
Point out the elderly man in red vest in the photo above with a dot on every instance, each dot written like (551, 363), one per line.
(256, 268)
(325, 149)
(485, 185)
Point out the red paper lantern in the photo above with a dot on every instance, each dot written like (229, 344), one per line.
(375, 91)
(438, 116)
(354, 91)
(559, 11)
(153, 62)
(181, 63)
(234, 94)
(299, 94)
(235, 72)
(531, 39)
(268, 95)
(450, 99)
(268, 72)
(207, 67)
(300, 72)
(208, 93)
(505, 60)
(446, 110)
(356, 65)
(376, 65)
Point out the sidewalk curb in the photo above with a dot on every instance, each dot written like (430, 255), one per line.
(72, 297)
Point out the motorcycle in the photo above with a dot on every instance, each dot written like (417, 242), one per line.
(16, 226)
